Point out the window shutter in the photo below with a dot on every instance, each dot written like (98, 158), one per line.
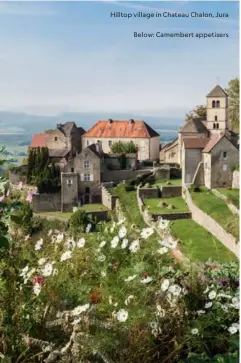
(82, 177)
(91, 177)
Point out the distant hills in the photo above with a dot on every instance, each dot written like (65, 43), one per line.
(18, 128)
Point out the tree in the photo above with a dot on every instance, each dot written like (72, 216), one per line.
(233, 104)
(198, 111)
(121, 147)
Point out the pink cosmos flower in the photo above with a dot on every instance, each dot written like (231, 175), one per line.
(2, 198)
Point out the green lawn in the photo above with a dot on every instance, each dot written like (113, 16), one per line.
(198, 244)
(178, 202)
(55, 214)
(232, 195)
(129, 205)
(217, 208)
(162, 182)
(94, 207)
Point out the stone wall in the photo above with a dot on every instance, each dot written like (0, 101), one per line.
(235, 181)
(17, 175)
(175, 173)
(46, 203)
(171, 191)
(148, 193)
(232, 207)
(211, 225)
(162, 173)
(119, 175)
(108, 200)
(172, 216)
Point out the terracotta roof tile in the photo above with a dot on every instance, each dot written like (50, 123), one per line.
(38, 140)
(121, 129)
(212, 142)
(195, 142)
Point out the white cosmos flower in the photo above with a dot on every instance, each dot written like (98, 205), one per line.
(165, 284)
(75, 209)
(153, 325)
(88, 228)
(163, 224)
(147, 232)
(41, 261)
(122, 232)
(59, 237)
(80, 243)
(146, 280)
(129, 298)
(122, 315)
(80, 309)
(200, 312)
(208, 305)
(160, 312)
(130, 278)
(233, 329)
(195, 331)
(110, 300)
(124, 243)
(70, 243)
(235, 303)
(47, 270)
(135, 246)
(175, 290)
(66, 255)
(114, 242)
(37, 289)
(24, 271)
(103, 273)
(169, 243)
(50, 232)
(39, 244)
(102, 244)
(206, 290)
(162, 250)
(212, 295)
(101, 258)
(121, 221)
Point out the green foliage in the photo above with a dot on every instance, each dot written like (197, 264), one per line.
(130, 188)
(198, 111)
(120, 147)
(79, 221)
(233, 104)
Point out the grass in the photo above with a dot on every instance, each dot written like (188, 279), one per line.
(129, 205)
(178, 202)
(55, 214)
(198, 244)
(94, 207)
(232, 195)
(67, 215)
(162, 182)
(217, 208)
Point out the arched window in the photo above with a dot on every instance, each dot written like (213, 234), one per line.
(214, 126)
(218, 104)
(217, 126)
(213, 104)
(216, 118)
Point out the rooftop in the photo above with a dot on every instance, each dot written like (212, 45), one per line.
(194, 125)
(217, 91)
(195, 142)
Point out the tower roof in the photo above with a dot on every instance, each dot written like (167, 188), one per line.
(194, 125)
(217, 91)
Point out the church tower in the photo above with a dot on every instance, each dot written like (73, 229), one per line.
(217, 111)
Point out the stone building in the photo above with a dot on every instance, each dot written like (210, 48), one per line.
(142, 135)
(63, 142)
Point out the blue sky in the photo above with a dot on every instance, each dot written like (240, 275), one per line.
(72, 56)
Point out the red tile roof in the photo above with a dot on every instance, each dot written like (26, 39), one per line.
(195, 142)
(212, 142)
(38, 140)
(121, 129)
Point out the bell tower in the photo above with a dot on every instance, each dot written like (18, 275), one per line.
(217, 111)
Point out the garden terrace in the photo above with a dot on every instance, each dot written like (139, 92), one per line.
(160, 205)
(169, 182)
(217, 209)
(232, 195)
(198, 244)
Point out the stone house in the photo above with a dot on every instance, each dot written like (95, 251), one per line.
(142, 135)
(63, 142)
(169, 153)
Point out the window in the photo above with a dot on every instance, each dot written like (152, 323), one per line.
(216, 118)
(225, 155)
(55, 138)
(69, 182)
(214, 126)
(87, 190)
(87, 143)
(86, 177)
(213, 104)
(110, 143)
(225, 167)
(72, 170)
(86, 164)
(218, 104)
(217, 126)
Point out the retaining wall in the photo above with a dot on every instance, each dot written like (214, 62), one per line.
(108, 199)
(211, 225)
(172, 216)
(232, 207)
(171, 191)
(46, 203)
(149, 193)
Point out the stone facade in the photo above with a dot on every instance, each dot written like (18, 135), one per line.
(235, 181)
(190, 159)
(69, 191)
(46, 203)
(108, 199)
(149, 193)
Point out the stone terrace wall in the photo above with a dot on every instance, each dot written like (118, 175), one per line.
(235, 182)
(119, 175)
(108, 199)
(211, 225)
(46, 203)
(149, 193)
(171, 191)
(172, 216)
(232, 207)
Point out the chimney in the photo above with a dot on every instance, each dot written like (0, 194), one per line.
(131, 121)
(98, 147)
(110, 120)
